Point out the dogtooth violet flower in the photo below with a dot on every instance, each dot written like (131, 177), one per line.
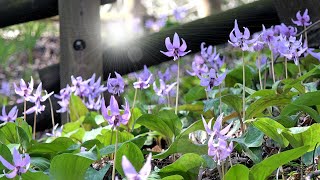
(112, 112)
(95, 87)
(198, 66)
(142, 84)
(207, 53)
(21, 163)
(291, 48)
(94, 103)
(145, 74)
(261, 61)
(175, 49)
(37, 98)
(239, 39)
(11, 116)
(23, 90)
(166, 76)
(163, 89)
(303, 20)
(285, 30)
(216, 130)
(115, 85)
(212, 79)
(79, 86)
(219, 149)
(64, 97)
(56, 132)
(5, 88)
(314, 54)
(131, 172)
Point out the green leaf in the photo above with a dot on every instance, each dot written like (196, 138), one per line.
(266, 167)
(198, 125)
(186, 166)
(262, 93)
(40, 163)
(69, 166)
(293, 108)
(234, 101)
(183, 145)
(195, 93)
(235, 76)
(96, 175)
(173, 177)
(58, 145)
(261, 104)
(34, 176)
(252, 138)
(135, 114)
(237, 172)
(77, 108)
(6, 154)
(272, 129)
(164, 122)
(134, 155)
(12, 134)
(301, 136)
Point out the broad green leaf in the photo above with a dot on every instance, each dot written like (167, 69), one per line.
(262, 93)
(266, 167)
(77, 108)
(35, 176)
(186, 166)
(58, 145)
(301, 136)
(235, 76)
(272, 129)
(135, 114)
(261, 104)
(69, 166)
(183, 145)
(6, 154)
(25, 126)
(198, 125)
(92, 174)
(165, 122)
(252, 138)
(195, 93)
(234, 101)
(12, 134)
(173, 177)
(191, 107)
(40, 163)
(293, 108)
(134, 155)
(237, 172)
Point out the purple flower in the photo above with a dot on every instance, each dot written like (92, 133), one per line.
(115, 85)
(164, 89)
(56, 132)
(95, 87)
(303, 20)
(115, 118)
(23, 90)
(216, 131)
(80, 87)
(285, 30)
(141, 84)
(174, 49)
(5, 88)
(239, 39)
(21, 163)
(219, 149)
(37, 98)
(145, 74)
(11, 116)
(291, 48)
(261, 61)
(166, 76)
(268, 35)
(94, 103)
(208, 54)
(198, 66)
(64, 97)
(212, 79)
(314, 54)
(179, 13)
(131, 172)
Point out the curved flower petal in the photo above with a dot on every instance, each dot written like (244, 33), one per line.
(128, 168)
(176, 41)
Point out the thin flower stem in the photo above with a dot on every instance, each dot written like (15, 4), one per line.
(51, 108)
(34, 125)
(272, 68)
(168, 100)
(286, 67)
(25, 109)
(222, 169)
(134, 103)
(305, 34)
(259, 69)
(309, 27)
(220, 101)
(115, 156)
(177, 93)
(230, 161)
(299, 70)
(111, 136)
(207, 94)
(219, 171)
(243, 94)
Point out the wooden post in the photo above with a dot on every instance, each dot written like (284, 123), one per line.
(80, 39)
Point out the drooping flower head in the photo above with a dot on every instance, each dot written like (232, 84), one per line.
(142, 84)
(93, 103)
(80, 87)
(285, 30)
(115, 85)
(303, 20)
(23, 90)
(11, 116)
(64, 97)
(216, 131)
(291, 48)
(163, 89)
(166, 76)
(198, 66)
(239, 39)
(209, 53)
(95, 87)
(219, 149)
(37, 98)
(56, 132)
(112, 112)
(212, 79)
(314, 54)
(21, 163)
(131, 172)
(175, 50)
